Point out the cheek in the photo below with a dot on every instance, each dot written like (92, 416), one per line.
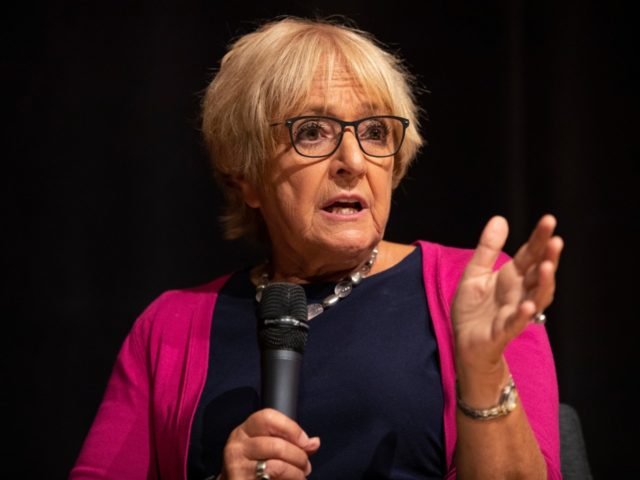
(382, 187)
(294, 198)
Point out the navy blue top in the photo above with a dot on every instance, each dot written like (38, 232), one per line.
(370, 385)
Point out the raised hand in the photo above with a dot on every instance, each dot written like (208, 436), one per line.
(491, 307)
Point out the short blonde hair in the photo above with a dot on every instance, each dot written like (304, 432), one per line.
(267, 75)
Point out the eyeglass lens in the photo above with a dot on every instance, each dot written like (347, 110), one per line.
(319, 136)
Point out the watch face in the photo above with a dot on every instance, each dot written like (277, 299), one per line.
(512, 400)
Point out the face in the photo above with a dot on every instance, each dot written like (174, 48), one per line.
(330, 210)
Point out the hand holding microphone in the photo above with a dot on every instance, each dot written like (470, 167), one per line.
(270, 443)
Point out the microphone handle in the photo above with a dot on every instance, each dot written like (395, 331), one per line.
(280, 380)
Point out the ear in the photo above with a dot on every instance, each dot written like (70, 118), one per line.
(249, 192)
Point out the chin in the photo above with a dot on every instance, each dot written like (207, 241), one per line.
(351, 242)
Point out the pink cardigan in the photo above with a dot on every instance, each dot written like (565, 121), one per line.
(142, 428)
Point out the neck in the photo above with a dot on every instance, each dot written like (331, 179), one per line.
(304, 271)
(316, 270)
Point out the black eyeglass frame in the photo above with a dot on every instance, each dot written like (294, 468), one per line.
(343, 124)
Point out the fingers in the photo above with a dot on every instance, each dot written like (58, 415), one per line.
(273, 437)
(282, 470)
(518, 320)
(538, 261)
(554, 249)
(534, 250)
(491, 242)
(552, 255)
(539, 282)
(274, 448)
(274, 468)
(269, 422)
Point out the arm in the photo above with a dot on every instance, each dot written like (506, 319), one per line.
(119, 442)
(490, 310)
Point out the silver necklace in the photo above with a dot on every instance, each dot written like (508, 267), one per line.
(342, 289)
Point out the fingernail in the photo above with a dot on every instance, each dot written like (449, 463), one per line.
(307, 471)
(314, 443)
(303, 439)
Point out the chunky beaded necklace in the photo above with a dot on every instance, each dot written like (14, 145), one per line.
(342, 289)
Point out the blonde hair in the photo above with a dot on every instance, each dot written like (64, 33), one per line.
(267, 75)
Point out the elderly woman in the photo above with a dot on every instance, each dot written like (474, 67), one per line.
(436, 363)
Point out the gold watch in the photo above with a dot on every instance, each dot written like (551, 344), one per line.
(507, 403)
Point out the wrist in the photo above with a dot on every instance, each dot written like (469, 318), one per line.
(506, 404)
(481, 387)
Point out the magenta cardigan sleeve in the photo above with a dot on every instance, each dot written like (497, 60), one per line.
(119, 442)
(143, 425)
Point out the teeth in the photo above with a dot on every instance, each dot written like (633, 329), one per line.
(344, 210)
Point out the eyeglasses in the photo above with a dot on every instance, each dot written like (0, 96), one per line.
(319, 136)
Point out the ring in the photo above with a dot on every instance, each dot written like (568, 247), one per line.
(539, 318)
(260, 467)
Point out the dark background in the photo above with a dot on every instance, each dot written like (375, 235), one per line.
(109, 200)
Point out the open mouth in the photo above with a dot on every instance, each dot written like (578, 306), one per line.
(344, 207)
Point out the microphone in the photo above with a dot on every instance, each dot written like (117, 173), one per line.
(282, 335)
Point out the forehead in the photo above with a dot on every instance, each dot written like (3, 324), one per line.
(336, 90)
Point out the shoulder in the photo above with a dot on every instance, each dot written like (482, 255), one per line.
(175, 301)
(174, 310)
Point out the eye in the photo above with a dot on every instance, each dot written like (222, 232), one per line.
(374, 130)
(313, 130)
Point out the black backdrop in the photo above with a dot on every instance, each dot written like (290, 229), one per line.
(109, 200)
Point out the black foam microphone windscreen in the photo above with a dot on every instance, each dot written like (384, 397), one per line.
(282, 335)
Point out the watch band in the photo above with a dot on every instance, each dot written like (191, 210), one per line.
(506, 404)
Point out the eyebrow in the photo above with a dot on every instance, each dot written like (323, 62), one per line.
(331, 110)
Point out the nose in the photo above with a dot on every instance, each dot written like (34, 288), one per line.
(348, 162)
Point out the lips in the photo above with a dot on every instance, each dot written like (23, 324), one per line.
(345, 205)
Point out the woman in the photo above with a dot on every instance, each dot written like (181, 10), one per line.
(436, 364)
